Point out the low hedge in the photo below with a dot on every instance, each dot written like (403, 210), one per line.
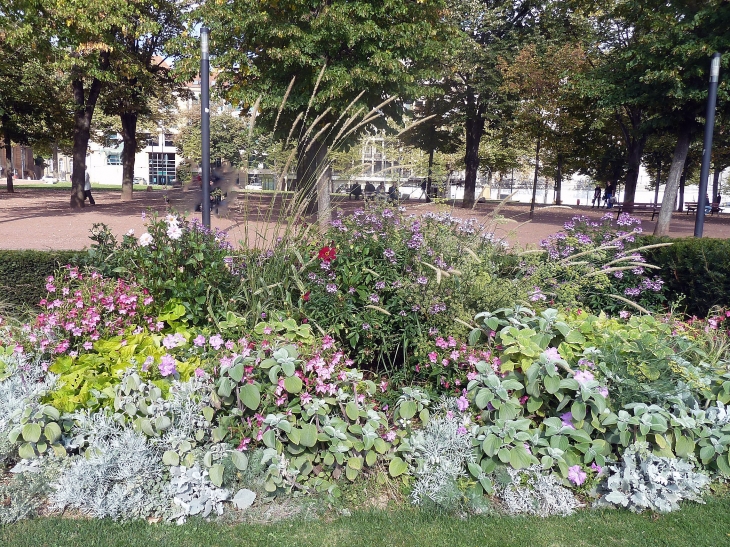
(23, 275)
(698, 269)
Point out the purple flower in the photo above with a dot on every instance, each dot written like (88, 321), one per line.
(380, 285)
(552, 354)
(331, 288)
(462, 403)
(597, 468)
(583, 376)
(567, 420)
(576, 475)
(421, 280)
(623, 314)
(167, 365)
(374, 298)
(216, 341)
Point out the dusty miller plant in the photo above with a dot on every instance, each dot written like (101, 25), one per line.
(194, 494)
(118, 478)
(644, 481)
(441, 451)
(532, 491)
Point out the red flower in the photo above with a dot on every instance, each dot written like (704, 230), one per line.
(305, 296)
(327, 254)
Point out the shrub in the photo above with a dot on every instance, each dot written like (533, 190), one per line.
(383, 282)
(175, 260)
(590, 264)
(22, 277)
(694, 271)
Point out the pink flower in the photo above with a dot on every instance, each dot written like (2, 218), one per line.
(597, 468)
(327, 342)
(199, 372)
(567, 420)
(88, 345)
(462, 403)
(199, 340)
(167, 365)
(583, 376)
(390, 436)
(433, 356)
(267, 330)
(576, 475)
(305, 398)
(623, 314)
(216, 341)
(552, 354)
(383, 386)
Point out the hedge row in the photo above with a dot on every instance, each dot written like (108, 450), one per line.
(696, 273)
(698, 269)
(23, 275)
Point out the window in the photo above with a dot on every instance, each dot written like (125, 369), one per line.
(162, 168)
(114, 159)
(152, 140)
(169, 139)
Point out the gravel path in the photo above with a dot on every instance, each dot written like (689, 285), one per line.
(42, 219)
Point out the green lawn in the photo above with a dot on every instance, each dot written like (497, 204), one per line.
(695, 526)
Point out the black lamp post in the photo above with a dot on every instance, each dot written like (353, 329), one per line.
(205, 123)
(707, 151)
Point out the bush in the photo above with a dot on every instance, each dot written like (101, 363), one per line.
(697, 270)
(175, 260)
(23, 274)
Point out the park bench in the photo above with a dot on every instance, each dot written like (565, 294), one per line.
(713, 207)
(638, 208)
(691, 206)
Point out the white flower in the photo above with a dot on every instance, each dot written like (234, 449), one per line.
(145, 239)
(130, 232)
(170, 219)
(174, 231)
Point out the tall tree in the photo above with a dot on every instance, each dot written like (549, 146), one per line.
(370, 50)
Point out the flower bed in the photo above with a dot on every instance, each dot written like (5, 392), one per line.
(135, 408)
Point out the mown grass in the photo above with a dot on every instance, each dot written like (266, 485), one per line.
(695, 526)
(65, 186)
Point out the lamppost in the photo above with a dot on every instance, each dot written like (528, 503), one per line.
(205, 123)
(707, 152)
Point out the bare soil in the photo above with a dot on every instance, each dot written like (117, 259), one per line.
(42, 219)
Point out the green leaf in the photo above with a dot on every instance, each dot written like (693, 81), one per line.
(236, 372)
(397, 467)
(503, 455)
(407, 409)
(52, 432)
(491, 444)
(371, 457)
(684, 446)
(552, 384)
(519, 457)
(216, 475)
(707, 453)
(355, 462)
(162, 423)
(351, 473)
(308, 436)
(239, 459)
(31, 432)
(269, 438)
(484, 396)
(352, 411)
(52, 413)
(250, 396)
(26, 451)
(170, 457)
(208, 413)
(474, 469)
(578, 410)
(292, 384)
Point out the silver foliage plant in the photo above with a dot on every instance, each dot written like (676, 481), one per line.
(441, 451)
(194, 494)
(644, 481)
(119, 478)
(22, 382)
(532, 491)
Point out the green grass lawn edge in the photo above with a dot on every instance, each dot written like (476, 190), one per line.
(696, 525)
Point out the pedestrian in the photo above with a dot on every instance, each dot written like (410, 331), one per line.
(87, 189)
(596, 197)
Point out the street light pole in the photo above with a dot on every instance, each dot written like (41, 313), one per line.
(707, 152)
(205, 123)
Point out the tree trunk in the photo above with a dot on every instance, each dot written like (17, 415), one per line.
(715, 185)
(559, 180)
(428, 179)
(55, 159)
(83, 112)
(656, 183)
(313, 180)
(474, 132)
(129, 136)
(634, 151)
(9, 163)
(682, 181)
(534, 183)
(675, 173)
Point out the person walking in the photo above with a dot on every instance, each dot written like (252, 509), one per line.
(608, 196)
(87, 189)
(596, 197)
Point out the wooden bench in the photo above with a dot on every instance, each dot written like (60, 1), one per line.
(691, 206)
(715, 208)
(639, 208)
